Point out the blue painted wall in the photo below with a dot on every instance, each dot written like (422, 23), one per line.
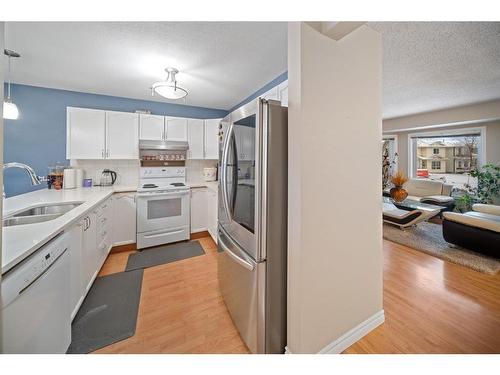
(269, 86)
(38, 137)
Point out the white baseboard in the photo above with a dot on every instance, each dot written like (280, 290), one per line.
(355, 334)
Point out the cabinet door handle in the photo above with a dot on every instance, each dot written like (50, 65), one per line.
(102, 153)
(107, 153)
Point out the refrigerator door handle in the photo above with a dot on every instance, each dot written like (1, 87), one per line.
(225, 152)
(235, 173)
(235, 257)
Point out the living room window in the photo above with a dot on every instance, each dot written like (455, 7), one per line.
(447, 155)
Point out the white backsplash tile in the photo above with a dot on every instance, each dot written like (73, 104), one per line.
(194, 169)
(128, 170)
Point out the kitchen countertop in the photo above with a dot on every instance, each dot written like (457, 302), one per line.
(212, 185)
(20, 241)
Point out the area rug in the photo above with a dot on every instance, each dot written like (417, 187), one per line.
(108, 314)
(428, 238)
(154, 256)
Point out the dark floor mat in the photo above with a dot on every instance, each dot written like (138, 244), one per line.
(155, 256)
(109, 312)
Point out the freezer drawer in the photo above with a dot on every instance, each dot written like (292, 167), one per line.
(242, 281)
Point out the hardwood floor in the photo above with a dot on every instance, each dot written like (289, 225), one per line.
(181, 308)
(432, 306)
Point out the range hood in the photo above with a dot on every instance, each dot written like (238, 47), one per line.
(163, 145)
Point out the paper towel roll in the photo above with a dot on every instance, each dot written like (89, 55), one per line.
(79, 177)
(69, 178)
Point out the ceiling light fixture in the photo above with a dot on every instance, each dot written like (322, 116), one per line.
(10, 111)
(168, 88)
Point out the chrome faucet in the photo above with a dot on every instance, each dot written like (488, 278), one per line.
(34, 178)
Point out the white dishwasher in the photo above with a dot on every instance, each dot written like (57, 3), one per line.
(36, 301)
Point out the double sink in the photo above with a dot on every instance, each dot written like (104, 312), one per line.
(40, 214)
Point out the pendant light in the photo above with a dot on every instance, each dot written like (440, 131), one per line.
(169, 88)
(10, 111)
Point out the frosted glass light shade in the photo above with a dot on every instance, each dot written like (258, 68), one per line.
(10, 111)
(169, 91)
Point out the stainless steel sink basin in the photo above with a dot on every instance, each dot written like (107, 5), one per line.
(49, 209)
(23, 220)
(39, 214)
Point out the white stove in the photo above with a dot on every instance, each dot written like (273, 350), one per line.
(163, 206)
(159, 179)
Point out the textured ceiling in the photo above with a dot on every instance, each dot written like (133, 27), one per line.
(435, 65)
(220, 63)
(427, 65)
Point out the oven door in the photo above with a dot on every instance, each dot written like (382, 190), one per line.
(160, 211)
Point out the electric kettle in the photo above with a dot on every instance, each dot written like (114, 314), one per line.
(108, 177)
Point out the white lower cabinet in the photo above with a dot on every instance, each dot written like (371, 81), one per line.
(90, 245)
(212, 205)
(198, 209)
(103, 232)
(89, 252)
(83, 256)
(124, 219)
(77, 284)
(204, 211)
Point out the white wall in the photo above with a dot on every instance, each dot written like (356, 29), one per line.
(335, 225)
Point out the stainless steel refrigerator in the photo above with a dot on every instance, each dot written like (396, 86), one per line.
(252, 234)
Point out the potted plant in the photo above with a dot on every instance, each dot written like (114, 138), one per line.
(488, 188)
(398, 194)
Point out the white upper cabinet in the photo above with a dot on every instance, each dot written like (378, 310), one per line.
(176, 128)
(196, 130)
(212, 138)
(122, 135)
(85, 132)
(272, 94)
(283, 93)
(152, 127)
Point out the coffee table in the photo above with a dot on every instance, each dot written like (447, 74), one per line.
(409, 212)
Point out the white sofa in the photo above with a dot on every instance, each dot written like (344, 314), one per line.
(429, 191)
(477, 230)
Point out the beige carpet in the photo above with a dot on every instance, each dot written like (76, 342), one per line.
(428, 237)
